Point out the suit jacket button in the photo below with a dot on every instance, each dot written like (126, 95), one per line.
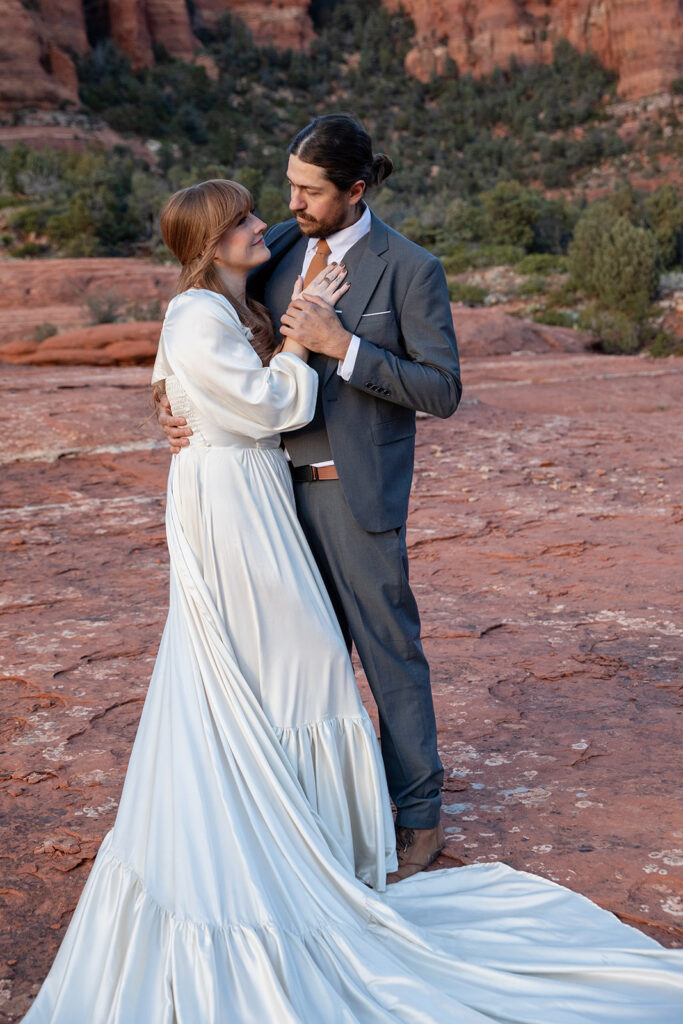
(368, 384)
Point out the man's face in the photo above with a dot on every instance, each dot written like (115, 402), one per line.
(320, 208)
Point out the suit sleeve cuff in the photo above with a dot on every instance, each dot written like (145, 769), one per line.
(345, 368)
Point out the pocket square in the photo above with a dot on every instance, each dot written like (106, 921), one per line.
(382, 312)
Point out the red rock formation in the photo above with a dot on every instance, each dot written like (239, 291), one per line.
(642, 41)
(61, 292)
(28, 76)
(491, 332)
(138, 25)
(283, 24)
(36, 69)
(127, 344)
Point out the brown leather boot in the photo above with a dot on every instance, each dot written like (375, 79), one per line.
(416, 849)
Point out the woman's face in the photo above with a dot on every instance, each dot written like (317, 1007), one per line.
(242, 247)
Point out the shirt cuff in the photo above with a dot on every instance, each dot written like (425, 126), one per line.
(345, 368)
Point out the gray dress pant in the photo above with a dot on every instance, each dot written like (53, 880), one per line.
(366, 575)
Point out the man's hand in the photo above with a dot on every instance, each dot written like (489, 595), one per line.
(175, 427)
(313, 323)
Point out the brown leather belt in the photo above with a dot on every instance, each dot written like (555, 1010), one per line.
(307, 474)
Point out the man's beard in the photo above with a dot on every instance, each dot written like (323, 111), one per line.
(320, 228)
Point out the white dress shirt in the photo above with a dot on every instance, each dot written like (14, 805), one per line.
(340, 243)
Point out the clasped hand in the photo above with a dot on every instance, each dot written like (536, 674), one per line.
(311, 320)
(309, 323)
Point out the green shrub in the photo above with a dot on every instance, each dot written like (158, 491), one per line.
(457, 261)
(664, 343)
(614, 260)
(495, 256)
(664, 212)
(28, 250)
(106, 308)
(555, 318)
(592, 226)
(565, 295)
(532, 286)
(468, 294)
(31, 219)
(43, 331)
(541, 263)
(271, 205)
(139, 310)
(625, 268)
(616, 333)
(511, 214)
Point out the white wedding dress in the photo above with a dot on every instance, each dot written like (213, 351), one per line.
(228, 889)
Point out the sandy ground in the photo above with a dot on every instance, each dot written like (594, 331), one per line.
(545, 523)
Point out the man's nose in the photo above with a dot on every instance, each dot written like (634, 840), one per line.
(296, 200)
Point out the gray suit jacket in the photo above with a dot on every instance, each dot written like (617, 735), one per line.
(408, 360)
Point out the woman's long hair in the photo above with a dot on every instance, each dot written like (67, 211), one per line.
(192, 223)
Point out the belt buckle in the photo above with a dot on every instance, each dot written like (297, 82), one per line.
(315, 475)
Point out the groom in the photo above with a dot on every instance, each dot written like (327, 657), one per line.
(387, 351)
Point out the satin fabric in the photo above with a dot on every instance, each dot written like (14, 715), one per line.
(228, 889)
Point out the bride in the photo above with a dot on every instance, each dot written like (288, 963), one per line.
(244, 880)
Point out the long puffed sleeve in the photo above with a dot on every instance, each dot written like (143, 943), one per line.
(206, 347)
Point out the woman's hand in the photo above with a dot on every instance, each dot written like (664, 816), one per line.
(329, 285)
(175, 427)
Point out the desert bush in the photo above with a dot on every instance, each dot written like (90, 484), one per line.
(625, 268)
(43, 331)
(495, 255)
(532, 286)
(664, 212)
(140, 310)
(457, 261)
(106, 308)
(555, 318)
(664, 343)
(468, 294)
(616, 333)
(511, 212)
(541, 263)
(28, 250)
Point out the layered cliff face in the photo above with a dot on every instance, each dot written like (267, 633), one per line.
(642, 40)
(284, 24)
(40, 37)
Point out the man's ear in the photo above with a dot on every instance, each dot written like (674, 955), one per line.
(356, 192)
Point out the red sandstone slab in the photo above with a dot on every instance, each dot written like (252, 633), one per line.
(544, 524)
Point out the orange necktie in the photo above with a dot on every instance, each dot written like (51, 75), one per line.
(319, 261)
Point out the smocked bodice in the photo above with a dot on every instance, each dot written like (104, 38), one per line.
(204, 432)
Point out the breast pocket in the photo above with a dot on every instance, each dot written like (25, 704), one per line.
(381, 329)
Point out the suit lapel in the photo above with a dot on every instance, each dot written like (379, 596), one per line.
(366, 276)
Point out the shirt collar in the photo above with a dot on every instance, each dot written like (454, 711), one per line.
(341, 241)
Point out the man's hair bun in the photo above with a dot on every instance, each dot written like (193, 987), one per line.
(382, 166)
